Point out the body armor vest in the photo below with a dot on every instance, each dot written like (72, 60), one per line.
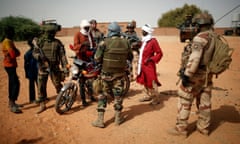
(115, 55)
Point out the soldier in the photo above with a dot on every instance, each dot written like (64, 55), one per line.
(50, 53)
(193, 79)
(113, 53)
(135, 43)
(96, 33)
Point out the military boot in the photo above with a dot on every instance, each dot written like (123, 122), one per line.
(118, 118)
(176, 132)
(42, 107)
(99, 122)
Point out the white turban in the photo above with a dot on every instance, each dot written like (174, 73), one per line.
(147, 28)
(84, 23)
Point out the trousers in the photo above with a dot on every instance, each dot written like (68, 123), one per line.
(13, 83)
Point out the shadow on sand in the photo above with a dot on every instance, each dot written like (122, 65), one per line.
(219, 116)
(141, 108)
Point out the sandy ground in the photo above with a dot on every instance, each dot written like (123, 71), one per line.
(144, 124)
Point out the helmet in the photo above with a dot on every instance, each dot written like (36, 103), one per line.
(84, 23)
(49, 28)
(130, 25)
(113, 29)
(203, 19)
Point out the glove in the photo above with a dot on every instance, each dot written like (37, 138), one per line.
(185, 80)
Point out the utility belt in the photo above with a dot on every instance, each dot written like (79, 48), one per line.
(106, 76)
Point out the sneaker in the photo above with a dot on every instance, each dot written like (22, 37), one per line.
(18, 105)
(32, 101)
(154, 103)
(84, 103)
(15, 109)
(144, 99)
(42, 108)
(203, 131)
(37, 101)
(175, 132)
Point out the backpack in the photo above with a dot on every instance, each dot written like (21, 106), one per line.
(221, 58)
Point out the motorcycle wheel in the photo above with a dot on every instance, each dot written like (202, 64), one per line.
(126, 82)
(65, 99)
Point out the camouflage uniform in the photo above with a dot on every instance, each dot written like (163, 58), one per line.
(135, 43)
(49, 64)
(196, 83)
(111, 83)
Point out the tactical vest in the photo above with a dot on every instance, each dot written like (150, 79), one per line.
(51, 50)
(115, 55)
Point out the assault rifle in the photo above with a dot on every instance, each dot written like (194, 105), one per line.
(131, 38)
(42, 55)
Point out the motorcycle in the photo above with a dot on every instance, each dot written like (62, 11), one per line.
(79, 70)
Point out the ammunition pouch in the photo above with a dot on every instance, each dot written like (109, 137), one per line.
(111, 77)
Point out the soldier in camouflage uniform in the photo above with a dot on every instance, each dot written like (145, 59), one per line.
(50, 53)
(135, 43)
(194, 77)
(113, 53)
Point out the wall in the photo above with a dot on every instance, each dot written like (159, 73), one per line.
(157, 31)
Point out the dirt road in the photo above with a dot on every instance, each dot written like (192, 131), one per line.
(144, 124)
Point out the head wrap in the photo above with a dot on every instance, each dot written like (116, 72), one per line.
(84, 23)
(147, 28)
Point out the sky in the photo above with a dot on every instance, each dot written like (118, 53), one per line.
(69, 13)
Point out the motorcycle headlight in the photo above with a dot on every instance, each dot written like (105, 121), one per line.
(74, 69)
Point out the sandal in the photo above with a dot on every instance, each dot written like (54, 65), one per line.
(144, 99)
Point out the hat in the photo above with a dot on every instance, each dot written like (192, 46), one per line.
(114, 29)
(84, 23)
(147, 28)
(93, 21)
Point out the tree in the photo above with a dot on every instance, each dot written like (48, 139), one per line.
(25, 28)
(175, 17)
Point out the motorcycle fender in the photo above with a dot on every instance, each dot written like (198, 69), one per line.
(67, 85)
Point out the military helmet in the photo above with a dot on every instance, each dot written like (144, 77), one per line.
(51, 28)
(114, 27)
(203, 19)
(130, 25)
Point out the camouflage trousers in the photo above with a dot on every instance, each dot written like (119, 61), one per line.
(203, 101)
(42, 83)
(111, 90)
(134, 65)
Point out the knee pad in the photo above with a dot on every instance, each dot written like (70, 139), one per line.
(118, 107)
(118, 103)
